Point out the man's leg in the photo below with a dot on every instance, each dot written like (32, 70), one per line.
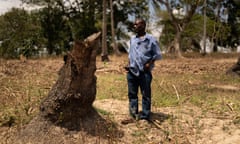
(132, 94)
(145, 85)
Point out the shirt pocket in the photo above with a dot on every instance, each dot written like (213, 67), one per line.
(145, 48)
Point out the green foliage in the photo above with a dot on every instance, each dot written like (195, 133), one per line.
(57, 24)
(103, 112)
(55, 30)
(20, 33)
(82, 17)
(168, 33)
(233, 21)
(217, 11)
(217, 30)
(62, 21)
(138, 8)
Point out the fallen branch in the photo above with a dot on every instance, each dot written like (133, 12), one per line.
(230, 106)
(176, 92)
(225, 87)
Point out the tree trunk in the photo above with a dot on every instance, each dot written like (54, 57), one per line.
(114, 44)
(175, 46)
(75, 89)
(204, 28)
(180, 23)
(104, 33)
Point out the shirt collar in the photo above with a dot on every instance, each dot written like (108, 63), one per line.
(146, 37)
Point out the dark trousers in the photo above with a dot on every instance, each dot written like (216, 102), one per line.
(144, 82)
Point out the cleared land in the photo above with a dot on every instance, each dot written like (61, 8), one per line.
(194, 101)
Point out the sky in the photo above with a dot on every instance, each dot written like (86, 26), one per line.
(6, 5)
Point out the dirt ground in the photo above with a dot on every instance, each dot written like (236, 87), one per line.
(184, 124)
(208, 130)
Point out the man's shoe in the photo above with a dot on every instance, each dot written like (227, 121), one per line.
(142, 117)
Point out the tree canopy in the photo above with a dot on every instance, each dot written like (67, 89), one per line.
(184, 23)
(59, 22)
(20, 33)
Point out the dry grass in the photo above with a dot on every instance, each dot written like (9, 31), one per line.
(194, 91)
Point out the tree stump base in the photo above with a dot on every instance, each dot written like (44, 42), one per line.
(89, 129)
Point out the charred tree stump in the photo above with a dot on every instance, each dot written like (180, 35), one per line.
(67, 111)
(235, 69)
(75, 89)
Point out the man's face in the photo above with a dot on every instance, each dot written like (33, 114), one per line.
(139, 26)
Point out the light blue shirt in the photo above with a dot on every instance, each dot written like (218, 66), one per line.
(142, 50)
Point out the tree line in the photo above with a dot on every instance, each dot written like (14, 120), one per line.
(59, 22)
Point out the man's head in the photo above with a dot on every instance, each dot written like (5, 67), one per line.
(139, 26)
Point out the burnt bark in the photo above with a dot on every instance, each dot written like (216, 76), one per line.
(75, 90)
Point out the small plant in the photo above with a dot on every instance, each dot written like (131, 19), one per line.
(103, 112)
(8, 118)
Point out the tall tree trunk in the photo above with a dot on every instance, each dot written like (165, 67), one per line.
(114, 44)
(176, 44)
(204, 28)
(104, 33)
(175, 47)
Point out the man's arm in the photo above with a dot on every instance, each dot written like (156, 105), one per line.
(148, 65)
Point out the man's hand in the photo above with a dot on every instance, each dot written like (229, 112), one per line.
(147, 66)
(126, 68)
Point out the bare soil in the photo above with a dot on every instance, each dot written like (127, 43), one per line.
(183, 124)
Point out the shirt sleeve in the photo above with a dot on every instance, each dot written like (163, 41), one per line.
(156, 50)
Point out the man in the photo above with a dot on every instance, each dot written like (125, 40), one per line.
(144, 50)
